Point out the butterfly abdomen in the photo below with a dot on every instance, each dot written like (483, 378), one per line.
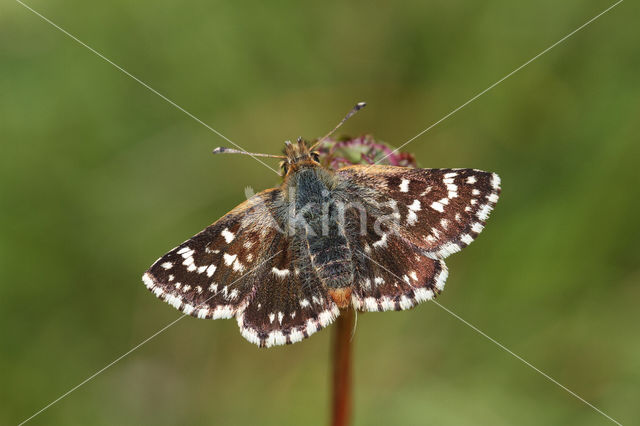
(319, 220)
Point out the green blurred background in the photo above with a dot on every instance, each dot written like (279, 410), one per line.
(99, 177)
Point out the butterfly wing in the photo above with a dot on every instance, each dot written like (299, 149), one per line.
(290, 303)
(212, 274)
(414, 219)
(389, 272)
(244, 265)
(439, 211)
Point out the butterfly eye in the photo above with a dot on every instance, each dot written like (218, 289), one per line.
(315, 156)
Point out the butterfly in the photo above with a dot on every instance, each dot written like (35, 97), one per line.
(288, 259)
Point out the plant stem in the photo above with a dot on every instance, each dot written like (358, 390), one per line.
(341, 415)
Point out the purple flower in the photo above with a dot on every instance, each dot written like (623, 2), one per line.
(362, 150)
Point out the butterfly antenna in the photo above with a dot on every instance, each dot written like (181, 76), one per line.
(223, 150)
(355, 109)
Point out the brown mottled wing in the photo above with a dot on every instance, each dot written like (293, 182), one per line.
(389, 273)
(439, 211)
(212, 274)
(414, 219)
(245, 266)
(290, 304)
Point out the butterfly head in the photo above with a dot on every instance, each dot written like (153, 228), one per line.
(298, 156)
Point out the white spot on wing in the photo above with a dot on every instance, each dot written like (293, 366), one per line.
(210, 270)
(370, 304)
(442, 276)
(448, 248)
(477, 227)
(382, 242)
(228, 236)
(437, 206)
(229, 259)
(237, 266)
(148, 281)
(167, 265)
(423, 294)
(412, 218)
(280, 273)
(495, 181)
(404, 185)
(405, 302)
(483, 213)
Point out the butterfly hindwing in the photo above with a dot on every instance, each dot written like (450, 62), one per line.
(391, 274)
(289, 303)
(437, 210)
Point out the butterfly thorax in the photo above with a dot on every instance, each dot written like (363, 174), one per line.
(317, 225)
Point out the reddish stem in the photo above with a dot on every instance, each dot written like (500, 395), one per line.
(341, 415)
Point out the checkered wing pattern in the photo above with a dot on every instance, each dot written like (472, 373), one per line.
(244, 266)
(439, 211)
(415, 218)
(290, 304)
(212, 274)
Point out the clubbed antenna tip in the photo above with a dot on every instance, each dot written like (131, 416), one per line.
(224, 150)
(355, 109)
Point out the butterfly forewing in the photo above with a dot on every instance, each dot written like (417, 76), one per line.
(212, 274)
(438, 210)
